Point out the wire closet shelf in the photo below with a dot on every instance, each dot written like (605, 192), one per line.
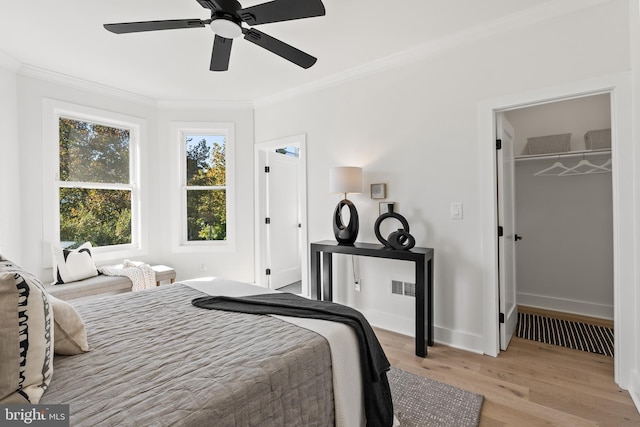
(591, 162)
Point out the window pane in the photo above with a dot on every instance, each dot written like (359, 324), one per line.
(289, 151)
(206, 215)
(90, 152)
(102, 217)
(206, 160)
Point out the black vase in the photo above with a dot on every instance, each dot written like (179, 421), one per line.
(346, 234)
(399, 239)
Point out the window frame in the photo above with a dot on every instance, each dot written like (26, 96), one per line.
(53, 110)
(179, 131)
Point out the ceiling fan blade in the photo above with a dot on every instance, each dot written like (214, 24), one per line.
(221, 54)
(172, 24)
(210, 4)
(282, 10)
(280, 48)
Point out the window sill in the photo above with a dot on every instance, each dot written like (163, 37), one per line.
(204, 247)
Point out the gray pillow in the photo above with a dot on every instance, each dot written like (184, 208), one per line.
(26, 336)
(70, 335)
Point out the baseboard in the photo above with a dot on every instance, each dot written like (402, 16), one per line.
(634, 390)
(583, 308)
(406, 326)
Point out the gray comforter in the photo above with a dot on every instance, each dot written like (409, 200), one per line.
(156, 360)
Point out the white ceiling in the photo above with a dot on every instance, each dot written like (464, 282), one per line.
(67, 37)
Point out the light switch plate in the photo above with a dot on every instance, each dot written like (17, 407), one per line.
(456, 210)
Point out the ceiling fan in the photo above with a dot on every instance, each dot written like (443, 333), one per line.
(226, 21)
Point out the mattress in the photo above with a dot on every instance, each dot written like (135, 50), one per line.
(157, 360)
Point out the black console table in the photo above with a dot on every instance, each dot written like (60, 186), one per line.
(322, 281)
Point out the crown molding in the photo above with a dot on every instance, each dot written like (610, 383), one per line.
(98, 88)
(518, 20)
(9, 62)
(78, 83)
(206, 105)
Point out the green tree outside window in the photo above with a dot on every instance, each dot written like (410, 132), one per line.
(95, 203)
(206, 195)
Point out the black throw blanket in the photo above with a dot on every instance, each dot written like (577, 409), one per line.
(378, 406)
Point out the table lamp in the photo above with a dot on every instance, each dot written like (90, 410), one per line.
(345, 179)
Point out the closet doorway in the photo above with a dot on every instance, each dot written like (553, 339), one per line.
(619, 88)
(563, 207)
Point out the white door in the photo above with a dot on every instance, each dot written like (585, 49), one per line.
(506, 219)
(283, 230)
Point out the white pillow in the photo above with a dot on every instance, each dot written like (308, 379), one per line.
(70, 265)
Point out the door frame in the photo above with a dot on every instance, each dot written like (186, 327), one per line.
(619, 88)
(300, 142)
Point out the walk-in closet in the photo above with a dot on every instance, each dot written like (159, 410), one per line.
(563, 193)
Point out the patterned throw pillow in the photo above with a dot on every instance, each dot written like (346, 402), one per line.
(26, 336)
(70, 265)
(70, 335)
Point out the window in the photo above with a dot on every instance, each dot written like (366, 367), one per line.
(206, 188)
(91, 156)
(94, 188)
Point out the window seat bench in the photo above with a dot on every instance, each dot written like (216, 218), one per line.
(103, 284)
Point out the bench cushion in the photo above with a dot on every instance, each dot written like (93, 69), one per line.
(91, 286)
(104, 284)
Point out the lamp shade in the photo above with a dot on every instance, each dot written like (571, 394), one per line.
(345, 179)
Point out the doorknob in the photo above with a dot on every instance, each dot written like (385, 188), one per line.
(516, 237)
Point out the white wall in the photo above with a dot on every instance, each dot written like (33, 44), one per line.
(565, 259)
(239, 263)
(10, 213)
(31, 92)
(415, 127)
(158, 160)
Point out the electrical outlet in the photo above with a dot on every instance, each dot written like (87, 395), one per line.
(203, 267)
(357, 284)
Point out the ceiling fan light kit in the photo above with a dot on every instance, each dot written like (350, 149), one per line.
(226, 28)
(226, 21)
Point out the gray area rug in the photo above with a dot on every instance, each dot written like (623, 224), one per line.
(422, 402)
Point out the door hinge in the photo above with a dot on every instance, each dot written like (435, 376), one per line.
(501, 317)
(267, 220)
(498, 144)
(267, 169)
(268, 272)
(500, 231)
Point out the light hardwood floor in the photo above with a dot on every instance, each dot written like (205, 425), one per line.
(530, 384)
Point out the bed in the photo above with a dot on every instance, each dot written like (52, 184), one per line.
(196, 367)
